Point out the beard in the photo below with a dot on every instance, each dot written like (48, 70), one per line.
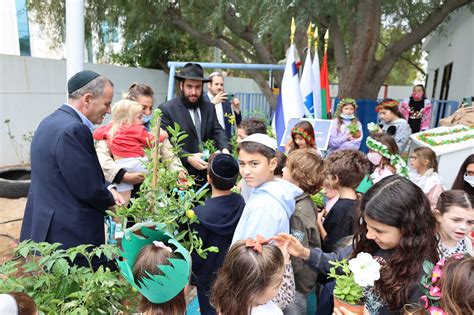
(188, 103)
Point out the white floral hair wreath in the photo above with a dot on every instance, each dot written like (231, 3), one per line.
(395, 159)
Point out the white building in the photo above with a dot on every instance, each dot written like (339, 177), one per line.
(21, 36)
(451, 58)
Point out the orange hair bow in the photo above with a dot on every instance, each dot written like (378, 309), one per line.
(256, 244)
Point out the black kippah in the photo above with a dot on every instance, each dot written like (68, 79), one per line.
(80, 79)
(224, 171)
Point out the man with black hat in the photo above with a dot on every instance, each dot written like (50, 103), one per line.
(68, 193)
(196, 117)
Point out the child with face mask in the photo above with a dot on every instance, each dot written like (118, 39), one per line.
(417, 109)
(346, 130)
(383, 154)
(465, 178)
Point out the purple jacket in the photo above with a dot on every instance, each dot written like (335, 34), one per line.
(338, 138)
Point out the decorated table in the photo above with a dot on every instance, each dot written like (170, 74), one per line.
(451, 144)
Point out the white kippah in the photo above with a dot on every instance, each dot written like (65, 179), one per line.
(261, 138)
(8, 305)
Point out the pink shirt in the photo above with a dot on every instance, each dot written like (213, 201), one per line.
(128, 142)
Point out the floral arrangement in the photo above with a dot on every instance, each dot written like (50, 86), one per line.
(431, 287)
(307, 137)
(357, 273)
(425, 137)
(395, 159)
(373, 127)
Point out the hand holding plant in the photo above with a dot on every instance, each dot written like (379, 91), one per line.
(353, 276)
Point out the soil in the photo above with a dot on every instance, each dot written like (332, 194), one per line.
(11, 217)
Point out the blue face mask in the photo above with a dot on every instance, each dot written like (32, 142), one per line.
(147, 118)
(348, 117)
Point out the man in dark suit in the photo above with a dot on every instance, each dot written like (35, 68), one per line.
(224, 103)
(68, 193)
(196, 117)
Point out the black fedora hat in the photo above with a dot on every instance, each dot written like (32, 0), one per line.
(191, 71)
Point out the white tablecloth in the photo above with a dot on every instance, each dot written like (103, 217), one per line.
(450, 156)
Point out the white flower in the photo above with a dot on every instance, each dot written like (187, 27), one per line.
(365, 269)
(372, 127)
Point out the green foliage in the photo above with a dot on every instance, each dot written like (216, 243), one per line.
(318, 199)
(353, 128)
(346, 288)
(155, 32)
(171, 201)
(44, 272)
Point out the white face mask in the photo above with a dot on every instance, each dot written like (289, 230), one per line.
(344, 116)
(469, 180)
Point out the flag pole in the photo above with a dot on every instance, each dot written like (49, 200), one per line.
(292, 29)
(310, 34)
(326, 40)
(325, 64)
(316, 38)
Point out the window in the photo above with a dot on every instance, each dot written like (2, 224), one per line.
(435, 83)
(109, 34)
(23, 28)
(446, 81)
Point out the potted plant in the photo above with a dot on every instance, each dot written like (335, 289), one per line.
(354, 131)
(351, 278)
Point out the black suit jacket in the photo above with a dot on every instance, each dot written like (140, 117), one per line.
(68, 193)
(175, 111)
(227, 109)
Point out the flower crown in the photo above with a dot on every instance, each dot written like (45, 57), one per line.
(306, 136)
(430, 285)
(343, 102)
(386, 104)
(395, 159)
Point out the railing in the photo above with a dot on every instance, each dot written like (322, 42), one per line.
(256, 105)
(442, 109)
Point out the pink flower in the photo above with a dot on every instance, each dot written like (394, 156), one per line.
(437, 273)
(424, 299)
(441, 263)
(435, 291)
(436, 311)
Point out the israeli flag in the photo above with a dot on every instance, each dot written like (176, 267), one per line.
(290, 103)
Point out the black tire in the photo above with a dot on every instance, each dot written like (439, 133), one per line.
(15, 181)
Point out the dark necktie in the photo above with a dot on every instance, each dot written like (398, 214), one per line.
(197, 124)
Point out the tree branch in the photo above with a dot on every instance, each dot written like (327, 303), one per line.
(245, 32)
(238, 47)
(417, 67)
(423, 29)
(209, 40)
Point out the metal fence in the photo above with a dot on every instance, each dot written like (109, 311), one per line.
(256, 105)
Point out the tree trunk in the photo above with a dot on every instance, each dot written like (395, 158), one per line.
(361, 76)
(356, 73)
